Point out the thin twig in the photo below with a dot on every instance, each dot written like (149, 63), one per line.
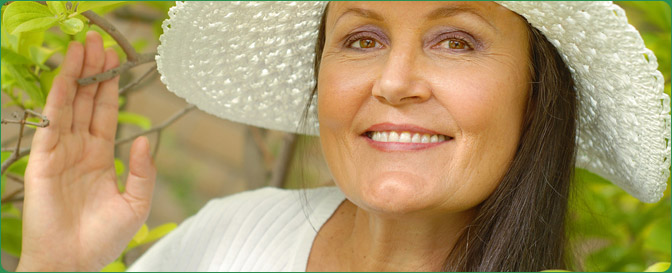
(10, 197)
(12, 139)
(17, 199)
(143, 58)
(42, 124)
(15, 155)
(156, 144)
(284, 161)
(23, 151)
(166, 123)
(15, 178)
(137, 81)
(94, 18)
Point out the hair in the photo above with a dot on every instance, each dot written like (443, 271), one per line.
(521, 225)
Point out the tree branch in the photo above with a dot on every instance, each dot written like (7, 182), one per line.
(124, 89)
(9, 198)
(283, 162)
(166, 123)
(94, 18)
(15, 178)
(144, 58)
(15, 155)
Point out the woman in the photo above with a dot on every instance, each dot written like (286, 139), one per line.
(449, 129)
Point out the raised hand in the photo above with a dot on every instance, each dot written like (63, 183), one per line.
(74, 217)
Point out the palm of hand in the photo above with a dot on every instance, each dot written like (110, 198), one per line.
(71, 198)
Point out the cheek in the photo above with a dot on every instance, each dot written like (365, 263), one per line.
(488, 112)
(341, 93)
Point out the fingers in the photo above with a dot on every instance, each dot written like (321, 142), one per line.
(141, 177)
(106, 104)
(94, 60)
(58, 108)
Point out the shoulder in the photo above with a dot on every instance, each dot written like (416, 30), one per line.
(250, 230)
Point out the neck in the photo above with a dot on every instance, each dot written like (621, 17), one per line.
(373, 242)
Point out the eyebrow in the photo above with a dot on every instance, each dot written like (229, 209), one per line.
(434, 15)
(362, 13)
(451, 11)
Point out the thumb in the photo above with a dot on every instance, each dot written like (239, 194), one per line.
(141, 177)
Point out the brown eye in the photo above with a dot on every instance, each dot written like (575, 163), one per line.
(455, 43)
(365, 43)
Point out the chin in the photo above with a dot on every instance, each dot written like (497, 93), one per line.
(395, 194)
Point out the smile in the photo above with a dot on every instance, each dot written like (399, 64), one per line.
(405, 137)
(388, 137)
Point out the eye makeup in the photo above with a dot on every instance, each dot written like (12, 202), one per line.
(438, 37)
(365, 32)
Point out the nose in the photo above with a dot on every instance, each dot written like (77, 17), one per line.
(401, 81)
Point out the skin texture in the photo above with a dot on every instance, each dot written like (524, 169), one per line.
(405, 208)
(71, 202)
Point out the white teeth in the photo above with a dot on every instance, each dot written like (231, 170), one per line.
(393, 137)
(383, 136)
(375, 136)
(406, 137)
(416, 138)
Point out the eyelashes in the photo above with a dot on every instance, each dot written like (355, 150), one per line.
(455, 41)
(364, 40)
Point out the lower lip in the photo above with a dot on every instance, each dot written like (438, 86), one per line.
(401, 146)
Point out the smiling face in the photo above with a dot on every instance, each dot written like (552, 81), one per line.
(421, 104)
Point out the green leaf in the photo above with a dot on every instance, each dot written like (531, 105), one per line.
(657, 236)
(87, 5)
(135, 119)
(47, 79)
(37, 24)
(658, 267)
(158, 232)
(31, 87)
(71, 26)
(57, 8)
(58, 41)
(24, 13)
(9, 210)
(8, 55)
(8, 40)
(19, 166)
(40, 55)
(28, 40)
(119, 167)
(10, 235)
(115, 266)
(141, 234)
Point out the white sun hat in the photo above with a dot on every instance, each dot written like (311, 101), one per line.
(252, 62)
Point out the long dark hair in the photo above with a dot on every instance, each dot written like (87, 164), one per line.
(521, 226)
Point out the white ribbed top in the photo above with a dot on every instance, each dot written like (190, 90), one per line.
(268, 229)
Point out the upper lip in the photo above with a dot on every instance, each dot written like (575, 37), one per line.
(382, 127)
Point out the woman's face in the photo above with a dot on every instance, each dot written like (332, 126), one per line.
(421, 104)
